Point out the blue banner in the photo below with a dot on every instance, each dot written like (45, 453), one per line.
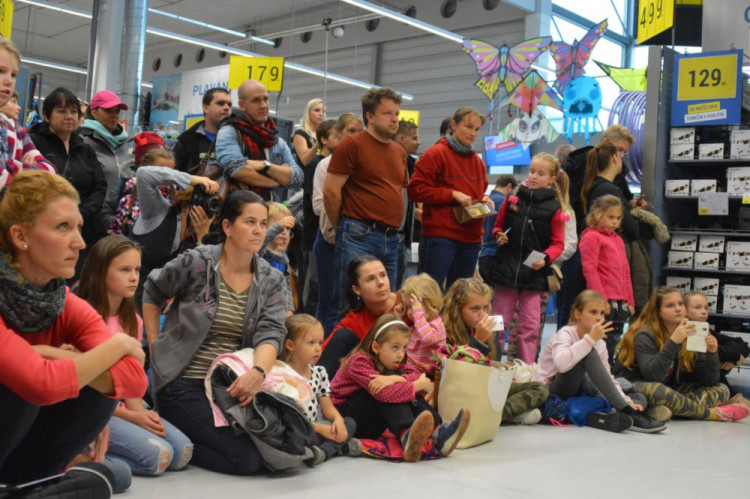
(500, 152)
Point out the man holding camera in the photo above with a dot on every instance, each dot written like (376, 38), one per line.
(248, 148)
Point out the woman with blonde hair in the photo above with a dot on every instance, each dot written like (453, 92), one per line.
(63, 370)
(304, 141)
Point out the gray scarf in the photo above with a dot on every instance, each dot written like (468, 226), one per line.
(459, 147)
(24, 307)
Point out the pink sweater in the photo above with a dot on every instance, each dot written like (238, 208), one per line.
(605, 264)
(354, 376)
(426, 338)
(564, 351)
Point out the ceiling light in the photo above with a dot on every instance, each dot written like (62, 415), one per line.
(211, 26)
(54, 65)
(406, 20)
(338, 32)
(57, 8)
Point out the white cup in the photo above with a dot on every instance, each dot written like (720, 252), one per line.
(499, 326)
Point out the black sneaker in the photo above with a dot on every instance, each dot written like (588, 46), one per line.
(615, 422)
(645, 424)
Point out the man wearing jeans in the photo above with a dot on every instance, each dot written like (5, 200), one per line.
(363, 190)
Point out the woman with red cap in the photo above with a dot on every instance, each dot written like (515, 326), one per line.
(58, 140)
(102, 130)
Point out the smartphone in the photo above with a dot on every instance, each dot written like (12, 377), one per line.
(498, 322)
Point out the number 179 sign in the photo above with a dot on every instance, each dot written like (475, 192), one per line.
(267, 70)
(707, 88)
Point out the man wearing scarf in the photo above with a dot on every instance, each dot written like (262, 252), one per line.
(248, 148)
(363, 189)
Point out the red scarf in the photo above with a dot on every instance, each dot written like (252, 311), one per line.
(256, 138)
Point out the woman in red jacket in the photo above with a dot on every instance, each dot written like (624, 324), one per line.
(62, 370)
(450, 174)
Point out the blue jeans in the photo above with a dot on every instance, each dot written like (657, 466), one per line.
(146, 453)
(122, 473)
(218, 449)
(354, 239)
(447, 259)
(326, 312)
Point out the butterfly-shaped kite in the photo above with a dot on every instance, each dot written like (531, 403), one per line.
(503, 65)
(533, 91)
(571, 59)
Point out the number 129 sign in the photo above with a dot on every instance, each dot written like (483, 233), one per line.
(707, 88)
(267, 70)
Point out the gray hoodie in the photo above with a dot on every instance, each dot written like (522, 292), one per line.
(193, 280)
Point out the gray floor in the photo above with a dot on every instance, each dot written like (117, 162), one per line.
(689, 459)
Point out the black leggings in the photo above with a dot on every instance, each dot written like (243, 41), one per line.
(373, 417)
(37, 442)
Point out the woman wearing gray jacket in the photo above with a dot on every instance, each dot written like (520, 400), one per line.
(225, 298)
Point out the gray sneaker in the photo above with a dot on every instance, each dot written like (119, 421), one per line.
(644, 424)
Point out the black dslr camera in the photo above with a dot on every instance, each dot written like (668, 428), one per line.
(210, 204)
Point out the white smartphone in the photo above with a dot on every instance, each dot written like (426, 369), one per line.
(499, 325)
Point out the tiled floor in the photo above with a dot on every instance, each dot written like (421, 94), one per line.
(690, 459)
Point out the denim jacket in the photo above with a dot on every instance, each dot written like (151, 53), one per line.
(193, 280)
(231, 158)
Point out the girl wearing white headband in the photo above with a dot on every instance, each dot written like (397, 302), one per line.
(380, 390)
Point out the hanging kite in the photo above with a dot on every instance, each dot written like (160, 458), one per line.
(581, 105)
(527, 129)
(571, 59)
(503, 65)
(533, 91)
(630, 80)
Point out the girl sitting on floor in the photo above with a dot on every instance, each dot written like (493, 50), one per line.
(380, 390)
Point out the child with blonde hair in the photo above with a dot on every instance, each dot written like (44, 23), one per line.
(605, 264)
(530, 222)
(380, 390)
(576, 358)
(465, 314)
(279, 234)
(421, 300)
(301, 350)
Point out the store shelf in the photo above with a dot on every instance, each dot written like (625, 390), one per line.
(709, 232)
(729, 316)
(721, 161)
(694, 198)
(706, 271)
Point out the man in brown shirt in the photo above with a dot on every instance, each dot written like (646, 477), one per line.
(362, 194)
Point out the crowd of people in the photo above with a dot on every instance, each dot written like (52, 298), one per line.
(219, 284)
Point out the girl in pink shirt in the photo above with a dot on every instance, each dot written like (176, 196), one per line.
(421, 300)
(380, 390)
(575, 360)
(605, 265)
(138, 436)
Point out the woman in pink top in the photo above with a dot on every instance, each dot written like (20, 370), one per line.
(605, 264)
(62, 370)
(575, 359)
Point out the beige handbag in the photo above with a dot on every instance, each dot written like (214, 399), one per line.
(554, 278)
(481, 389)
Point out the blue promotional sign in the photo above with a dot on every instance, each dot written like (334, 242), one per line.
(500, 152)
(707, 88)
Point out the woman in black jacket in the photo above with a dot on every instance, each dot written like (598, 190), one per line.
(75, 160)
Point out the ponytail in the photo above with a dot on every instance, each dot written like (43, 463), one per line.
(597, 161)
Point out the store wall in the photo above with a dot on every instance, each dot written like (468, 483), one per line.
(436, 71)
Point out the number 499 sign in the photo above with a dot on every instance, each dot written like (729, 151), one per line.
(267, 70)
(707, 88)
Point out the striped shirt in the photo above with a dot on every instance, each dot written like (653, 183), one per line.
(426, 338)
(15, 143)
(225, 335)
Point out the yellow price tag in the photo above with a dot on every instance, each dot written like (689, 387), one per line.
(703, 211)
(6, 17)
(712, 77)
(409, 115)
(654, 16)
(746, 198)
(267, 70)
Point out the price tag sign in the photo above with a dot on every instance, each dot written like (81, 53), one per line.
(654, 16)
(707, 88)
(267, 70)
(409, 115)
(6, 17)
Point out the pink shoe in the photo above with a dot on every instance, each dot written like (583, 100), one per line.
(731, 412)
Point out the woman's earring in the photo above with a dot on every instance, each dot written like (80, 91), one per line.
(25, 246)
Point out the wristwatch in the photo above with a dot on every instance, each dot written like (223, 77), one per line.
(266, 166)
(260, 370)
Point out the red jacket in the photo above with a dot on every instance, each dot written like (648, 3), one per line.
(358, 323)
(438, 173)
(46, 382)
(605, 264)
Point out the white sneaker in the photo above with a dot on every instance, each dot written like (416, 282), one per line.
(531, 417)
